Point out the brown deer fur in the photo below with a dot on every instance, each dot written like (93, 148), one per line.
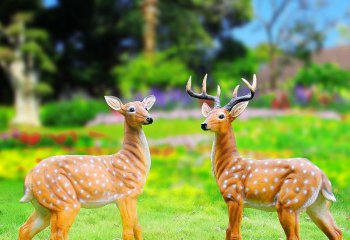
(287, 186)
(59, 186)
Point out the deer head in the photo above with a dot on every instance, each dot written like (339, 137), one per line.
(135, 113)
(219, 119)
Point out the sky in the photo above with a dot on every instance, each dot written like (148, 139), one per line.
(252, 34)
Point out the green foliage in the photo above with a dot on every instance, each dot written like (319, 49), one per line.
(328, 76)
(76, 112)
(4, 119)
(228, 74)
(6, 54)
(161, 70)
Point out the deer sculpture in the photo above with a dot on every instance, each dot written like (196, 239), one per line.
(59, 186)
(287, 186)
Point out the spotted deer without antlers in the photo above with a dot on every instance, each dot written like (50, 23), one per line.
(287, 186)
(59, 186)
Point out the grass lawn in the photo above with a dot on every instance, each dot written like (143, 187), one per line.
(181, 199)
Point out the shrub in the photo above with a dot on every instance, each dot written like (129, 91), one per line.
(327, 76)
(76, 112)
(4, 118)
(138, 74)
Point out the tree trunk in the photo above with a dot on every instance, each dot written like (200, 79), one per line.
(150, 12)
(24, 82)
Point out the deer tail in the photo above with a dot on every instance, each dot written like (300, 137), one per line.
(28, 191)
(326, 189)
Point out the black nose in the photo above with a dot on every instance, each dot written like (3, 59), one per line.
(149, 120)
(204, 126)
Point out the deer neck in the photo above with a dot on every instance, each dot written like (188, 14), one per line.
(223, 151)
(135, 145)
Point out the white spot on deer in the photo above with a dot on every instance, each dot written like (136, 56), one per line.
(226, 172)
(302, 164)
(47, 175)
(276, 179)
(256, 170)
(306, 181)
(249, 168)
(39, 192)
(313, 173)
(266, 180)
(264, 189)
(38, 183)
(305, 192)
(266, 170)
(292, 167)
(275, 169)
(76, 170)
(256, 191)
(75, 205)
(295, 180)
(121, 184)
(279, 161)
(255, 182)
(297, 189)
(37, 170)
(233, 168)
(272, 187)
(247, 190)
(304, 171)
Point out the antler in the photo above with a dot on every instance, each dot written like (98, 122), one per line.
(203, 94)
(244, 98)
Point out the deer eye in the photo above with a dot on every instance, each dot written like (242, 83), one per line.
(221, 116)
(131, 109)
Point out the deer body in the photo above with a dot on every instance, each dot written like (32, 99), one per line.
(287, 186)
(59, 186)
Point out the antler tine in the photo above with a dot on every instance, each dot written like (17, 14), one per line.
(204, 84)
(203, 94)
(235, 100)
(218, 91)
(235, 92)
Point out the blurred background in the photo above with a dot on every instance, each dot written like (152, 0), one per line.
(58, 58)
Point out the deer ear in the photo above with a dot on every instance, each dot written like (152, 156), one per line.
(238, 109)
(149, 101)
(114, 102)
(205, 109)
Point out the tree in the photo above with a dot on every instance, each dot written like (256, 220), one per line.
(23, 58)
(291, 27)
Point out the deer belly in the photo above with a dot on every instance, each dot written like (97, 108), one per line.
(269, 207)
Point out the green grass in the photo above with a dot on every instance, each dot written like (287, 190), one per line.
(181, 199)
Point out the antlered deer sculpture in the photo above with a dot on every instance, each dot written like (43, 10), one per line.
(59, 186)
(285, 185)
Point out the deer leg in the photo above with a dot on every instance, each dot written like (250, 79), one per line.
(289, 220)
(34, 224)
(321, 216)
(61, 222)
(137, 230)
(127, 208)
(235, 212)
(37, 222)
